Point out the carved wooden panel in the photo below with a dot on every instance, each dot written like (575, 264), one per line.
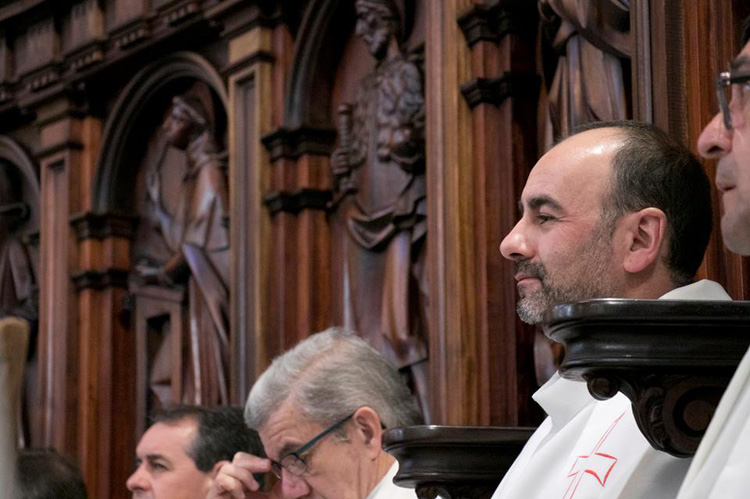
(184, 245)
(36, 47)
(83, 25)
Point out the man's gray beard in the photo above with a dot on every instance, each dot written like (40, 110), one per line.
(595, 284)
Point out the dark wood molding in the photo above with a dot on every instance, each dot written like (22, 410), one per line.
(672, 359)
(254, 58)
(482, 23)
(100, 279)
(292, 143)
(495, 90)
(462, 461)
(296, 201)
(103, 225)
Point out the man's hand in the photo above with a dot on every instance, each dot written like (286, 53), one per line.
(235, 480)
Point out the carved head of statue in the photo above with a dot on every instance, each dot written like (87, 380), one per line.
(379, 22)
(187, 119)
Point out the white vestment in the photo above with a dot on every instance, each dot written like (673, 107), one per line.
(721, 466)
(386, 489)
(594, 449)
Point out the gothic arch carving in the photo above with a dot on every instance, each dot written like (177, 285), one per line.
(114, 183)
(11, 151)
(316, 55)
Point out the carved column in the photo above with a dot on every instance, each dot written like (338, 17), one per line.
(58, 335)
(250, 94)
(478, 150)
(297, 204)
(107, 351)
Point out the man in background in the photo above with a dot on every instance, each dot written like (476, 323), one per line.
(321, 409)
(179, 456)
(616, 210)
(720, 466)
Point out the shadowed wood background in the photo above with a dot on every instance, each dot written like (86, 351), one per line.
(190, 187)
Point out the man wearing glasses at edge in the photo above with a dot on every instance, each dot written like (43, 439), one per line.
(721, 466)
(321, 409)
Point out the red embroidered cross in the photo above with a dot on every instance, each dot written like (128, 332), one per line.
(597, 464)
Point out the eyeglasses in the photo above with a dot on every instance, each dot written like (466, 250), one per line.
(293, 461)
(731, 87)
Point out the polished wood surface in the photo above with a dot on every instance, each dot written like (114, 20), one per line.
(454, 461)
(84, 85)
(672, 359)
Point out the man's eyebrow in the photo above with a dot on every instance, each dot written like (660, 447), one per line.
(537, 202)
(740, 62)
(288, 448)
(155, 457)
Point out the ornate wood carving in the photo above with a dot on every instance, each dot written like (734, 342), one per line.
(287, 143)
(190, 222)
(672, 359)
(585, 42)
(101, 226)
(301, 199)
(454, 462)
(379, 172)
(495, 90)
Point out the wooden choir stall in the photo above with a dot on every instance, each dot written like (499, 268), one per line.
(190, 187)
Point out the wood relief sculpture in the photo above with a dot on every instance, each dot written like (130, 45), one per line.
(19, 292)
(589, 51)
(191, 219)
(17, 275)
(380, 166)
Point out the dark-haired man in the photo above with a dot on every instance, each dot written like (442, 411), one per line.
(179, 455)
(616, 210)
(721, 464)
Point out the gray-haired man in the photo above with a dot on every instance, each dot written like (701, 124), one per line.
(320, 410)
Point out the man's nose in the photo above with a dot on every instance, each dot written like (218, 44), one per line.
(516, 245)
(293, 486)
(715, 141)
(137, 481)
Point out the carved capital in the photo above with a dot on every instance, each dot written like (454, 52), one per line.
(490, 23)
(296, 201)
(485, 23)
(100, 279)
(292, 143)
(104, 225)
(672, 359)
(495, 90)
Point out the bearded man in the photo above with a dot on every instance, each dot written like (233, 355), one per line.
(616, 210)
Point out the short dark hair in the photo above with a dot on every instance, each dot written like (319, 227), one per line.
(222, 433)
(653, 170)
(46, 474)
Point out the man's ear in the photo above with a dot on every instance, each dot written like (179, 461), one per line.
(368, 426)
(645, 235)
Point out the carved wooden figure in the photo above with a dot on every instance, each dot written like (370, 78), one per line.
(590, 53)
(191, 219)
(380, 165)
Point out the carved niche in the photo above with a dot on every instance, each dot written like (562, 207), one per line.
(181, 253)
(19, 262)
(585, 42)
(380, 194)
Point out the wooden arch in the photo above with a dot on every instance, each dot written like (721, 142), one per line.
(114, 181)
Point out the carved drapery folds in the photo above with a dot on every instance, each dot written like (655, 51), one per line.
(19, 262)
(379, 172)
(587, 62)
(187, 201)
